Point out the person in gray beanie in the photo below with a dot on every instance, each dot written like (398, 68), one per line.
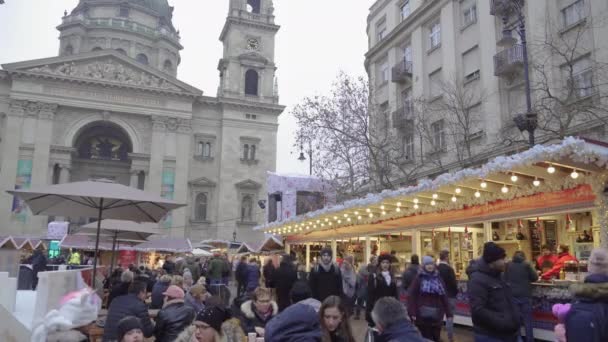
(587, 320)
(325, 278)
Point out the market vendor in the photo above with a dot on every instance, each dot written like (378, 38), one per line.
(546, 260)
(563, 257)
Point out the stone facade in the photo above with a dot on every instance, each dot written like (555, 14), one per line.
(101, 110)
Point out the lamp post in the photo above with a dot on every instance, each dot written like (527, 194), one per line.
(303, 158)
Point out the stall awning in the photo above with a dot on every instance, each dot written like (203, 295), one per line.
(549, 179)
(173, 245)
(7, 242)
(87, 243)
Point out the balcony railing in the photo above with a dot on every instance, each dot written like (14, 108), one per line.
(509, 61)
(504, 7)
(121, 24)
(404, 116)
(402, 72)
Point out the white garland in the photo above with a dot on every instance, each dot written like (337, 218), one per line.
(576, 149)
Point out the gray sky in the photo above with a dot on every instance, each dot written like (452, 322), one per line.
(317, 39)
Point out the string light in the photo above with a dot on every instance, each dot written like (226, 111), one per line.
(416, 200)
(326, 219)
(504, 189)
(477, 194)
(458, 190)
(514, 178)
(382, 207)
(356, 213)
(551, 169)
(398, 204)
(416, 206)
(433, 202)
(435, 196)
(371, 215)
(348, 219)
(368, 210)
(384, 213)
(335, 218)
(536, 182)
(358, 217)
(574, 174)
(398, 209)
(345, 215)
(339, 221)
(483, 184)
(454, 199)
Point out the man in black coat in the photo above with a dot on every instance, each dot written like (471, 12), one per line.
(411, 272)
(241, 276)
(131, 304)
(325, 278)
(38, 265)
(174, 317)
(283, 279)
(493, 311)
(447, 274)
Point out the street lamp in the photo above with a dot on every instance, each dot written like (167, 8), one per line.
(303, 158)
(529, 120)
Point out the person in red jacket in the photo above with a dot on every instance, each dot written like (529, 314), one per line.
(547, 260)
(563, 257)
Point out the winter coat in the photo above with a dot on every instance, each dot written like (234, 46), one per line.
(519, 274)
(169, 267)
(157, 294)
(587, 320)
(216, 269)
(195, 304)
(298, 323)
(447, 274)
(241, 272)
(325, 283)
(38, 262)
(250, 318)
(194, 269)
(144, 278)
(119, 289)
(546, 262)
(172, 319)
(400, 332)
(231, 332)
(376, 289)
(409, 275)
(253, 277)
(562, 259)
(417, 299)
(283, 279)
(123, 306)
(493, 310)
(268, 270)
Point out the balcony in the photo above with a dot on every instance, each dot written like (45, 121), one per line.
(509, 62)
(503, 8)
(404, 117)
(402, 72)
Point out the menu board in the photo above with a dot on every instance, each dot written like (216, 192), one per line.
(535, 239)
(550, 229)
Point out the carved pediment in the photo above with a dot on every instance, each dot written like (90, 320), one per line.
(202, 182)
(248, 184)
(105, 66)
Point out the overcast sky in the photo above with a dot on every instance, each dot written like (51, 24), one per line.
(317, 39)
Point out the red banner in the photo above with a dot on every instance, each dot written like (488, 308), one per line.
(125, 258)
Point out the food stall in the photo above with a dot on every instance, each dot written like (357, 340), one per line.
(550, 195)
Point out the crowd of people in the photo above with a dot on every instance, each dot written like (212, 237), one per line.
(283, 304)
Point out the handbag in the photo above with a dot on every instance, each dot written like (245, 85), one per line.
(429, 313)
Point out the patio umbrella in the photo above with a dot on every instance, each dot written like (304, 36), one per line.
(102, 199)
(120, 230)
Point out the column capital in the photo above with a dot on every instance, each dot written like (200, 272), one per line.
(158, 123)
(17, 107)
(47, 111)
(184, 126)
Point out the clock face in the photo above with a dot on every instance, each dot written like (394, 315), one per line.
(253, 44)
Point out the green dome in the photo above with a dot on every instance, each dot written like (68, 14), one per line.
(159, 6)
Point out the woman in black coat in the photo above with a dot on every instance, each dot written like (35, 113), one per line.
(283, 279)
(380, 284)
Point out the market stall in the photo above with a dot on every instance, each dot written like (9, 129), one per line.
(548, 195)
(152, 253)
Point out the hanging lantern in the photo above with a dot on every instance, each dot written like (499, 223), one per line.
(570, 227)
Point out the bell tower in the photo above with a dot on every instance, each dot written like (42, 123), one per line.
(247, 68)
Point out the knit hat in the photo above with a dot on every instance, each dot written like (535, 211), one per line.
(214, 316)
(493, 252)
(427, 260)
(326, 251)
(598, 261)
(174, 291)
(127, 324)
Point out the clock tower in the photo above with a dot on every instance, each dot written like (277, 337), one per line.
(247, 69)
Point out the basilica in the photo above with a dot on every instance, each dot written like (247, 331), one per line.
(110, 106)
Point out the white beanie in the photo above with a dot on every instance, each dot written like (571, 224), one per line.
(598, 262)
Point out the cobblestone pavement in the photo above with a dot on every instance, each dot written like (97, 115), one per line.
(462, 334)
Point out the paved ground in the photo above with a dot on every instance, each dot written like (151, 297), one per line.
(462, 334)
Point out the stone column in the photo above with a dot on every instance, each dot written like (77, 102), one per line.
(182, 167)
(64, 174)
(42, 145)
(134, 178)
(308, 257)
(157, 153)
(10, 155)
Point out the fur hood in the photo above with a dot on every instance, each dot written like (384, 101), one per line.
(231, 332)
(247, 309)
(593, 291)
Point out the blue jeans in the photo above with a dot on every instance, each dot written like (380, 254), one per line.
(525, 309)
(449, 323)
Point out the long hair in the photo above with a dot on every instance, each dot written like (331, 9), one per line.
(344, 330)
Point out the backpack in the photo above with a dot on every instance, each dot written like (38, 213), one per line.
(587, 321)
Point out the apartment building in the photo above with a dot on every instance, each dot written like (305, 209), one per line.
(447, 77)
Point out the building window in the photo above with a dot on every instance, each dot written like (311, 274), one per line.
(383, 72)
(405, 10)
(123, 12)
(68, 50)
(574, 13)
(246, 152)
(381, 30)
(168, 66)
(435, 34)
(408, 147)
(469, 15)
(247, 208)
(470, 64)
(251, 82)
(582, 78)
(251, 116)
(253, 6)
(249, 151)
(141, 58)
(438, 135)
(204, 149)
(407, 53)
(252, 149)
(435, 84)
(200, 208)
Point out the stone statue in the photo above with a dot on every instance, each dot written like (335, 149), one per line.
(123, 152)
(104, 148)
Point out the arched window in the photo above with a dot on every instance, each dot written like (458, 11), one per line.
(253, 6)
(97, 48)
(68, 50)
(122, 51)
(246, 152)
(200, 209)
(251, 82)
(247, 208)
(141, 58)
(207, 150)
(168, 66)
(252, 152)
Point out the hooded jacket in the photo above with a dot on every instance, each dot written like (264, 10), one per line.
(493, 310)
(400, 332)
(519, 274)
(250, 318)
(589, 306)
(172, 319)
(298, 323)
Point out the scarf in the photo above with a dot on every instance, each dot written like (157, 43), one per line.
(387, 277)
(349, 280)
(431, 283)
(326, 267)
